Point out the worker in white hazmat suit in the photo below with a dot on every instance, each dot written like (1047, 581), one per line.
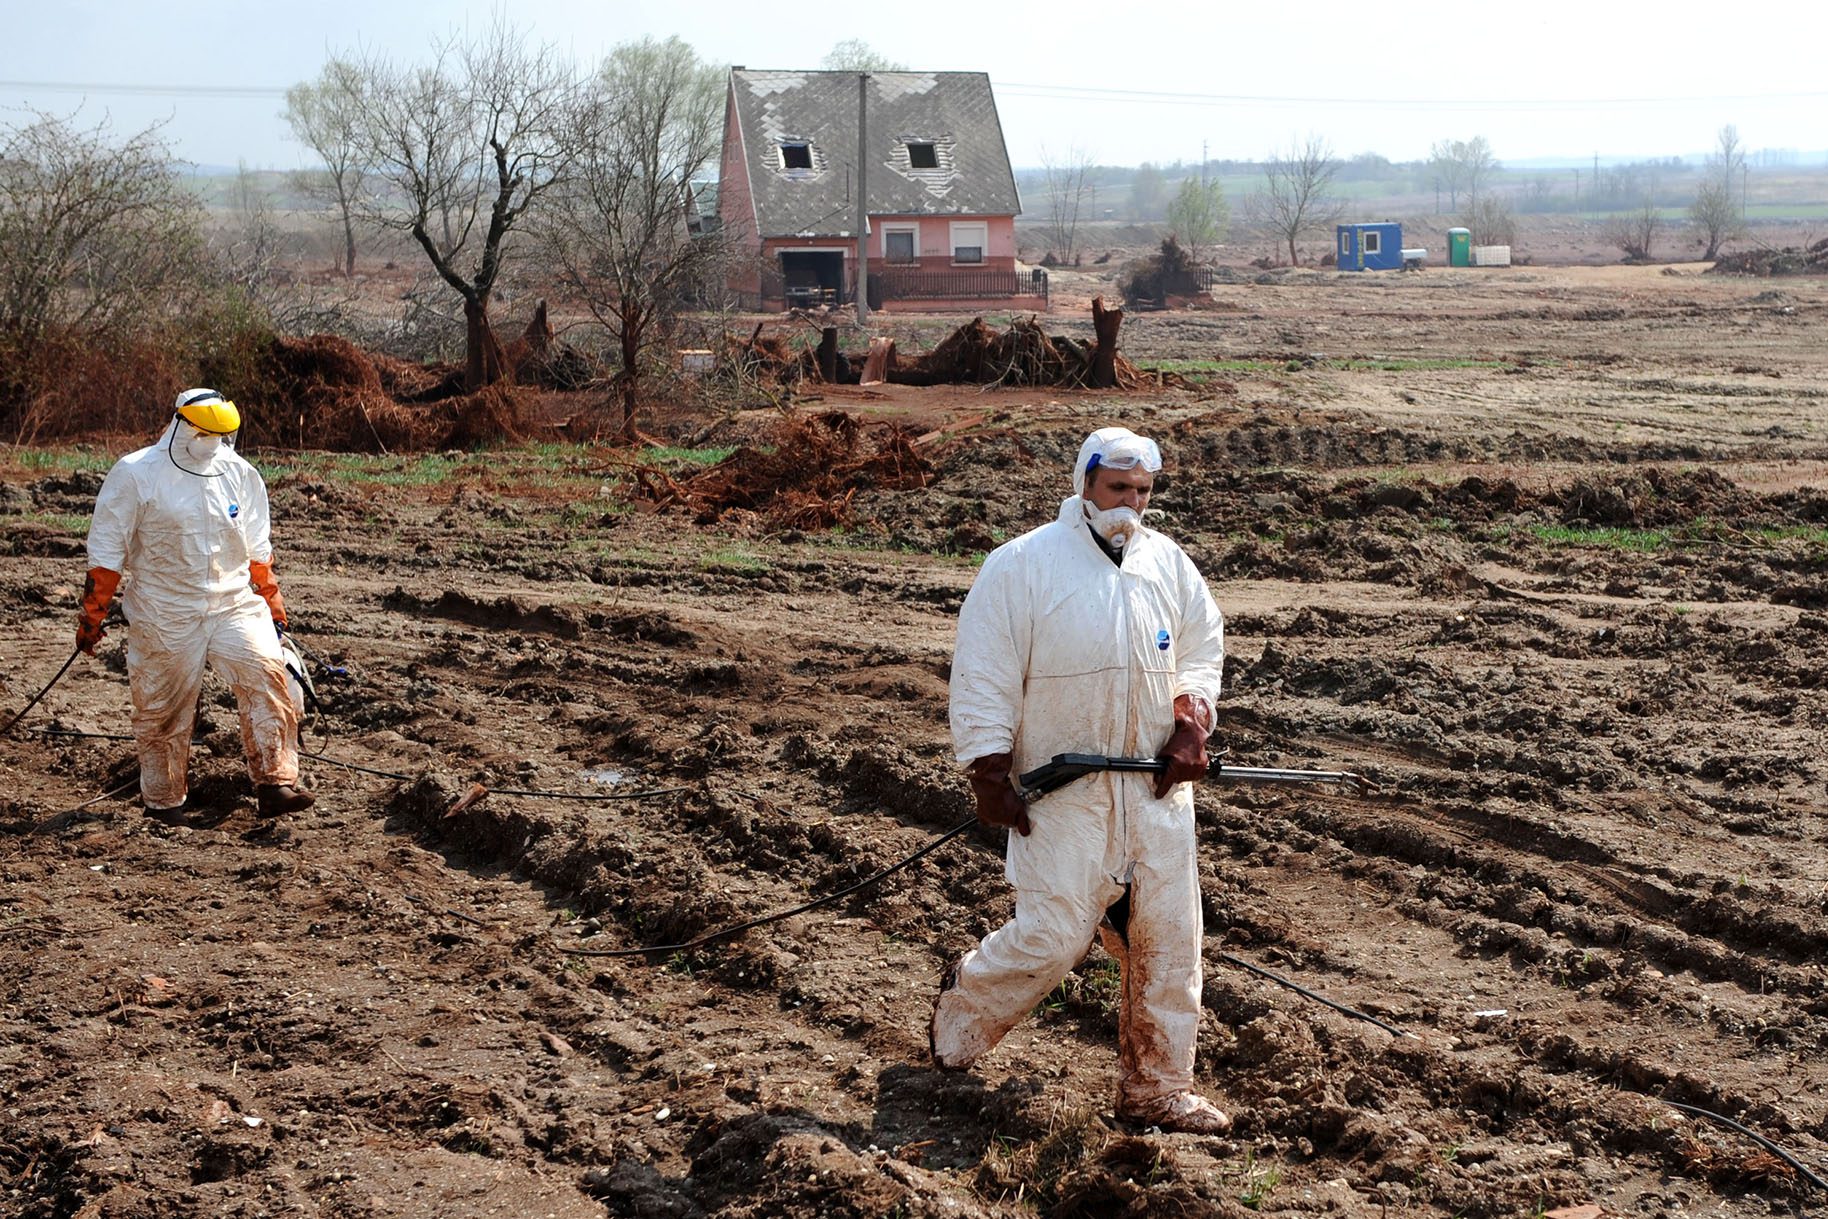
(1092, 634)
(185, 521)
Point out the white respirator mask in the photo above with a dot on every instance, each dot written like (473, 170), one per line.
(1115, 525)
(202, 446)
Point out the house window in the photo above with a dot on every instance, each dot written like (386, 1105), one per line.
(797, 155)
(969, 242)
(1372, 241)
(900, 244)
(923, 156)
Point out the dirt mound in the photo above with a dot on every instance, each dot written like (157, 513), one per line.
(1766, 262)
(805, 480)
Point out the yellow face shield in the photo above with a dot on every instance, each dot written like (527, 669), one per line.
(209, 412)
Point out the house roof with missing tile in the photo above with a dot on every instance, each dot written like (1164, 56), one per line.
(935, 148)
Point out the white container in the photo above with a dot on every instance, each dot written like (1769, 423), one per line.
(696, 360)
(1491, 256)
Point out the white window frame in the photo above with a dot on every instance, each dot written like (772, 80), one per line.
(971, 228)
(781, 150)
(1370, 241)
(1345, 243)
(892, 226)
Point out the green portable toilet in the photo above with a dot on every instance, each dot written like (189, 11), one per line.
(1459, 247)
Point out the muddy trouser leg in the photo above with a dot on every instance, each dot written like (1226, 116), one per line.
(165, 674)
(244, 650)
(1013, 969)
(1159, 1012)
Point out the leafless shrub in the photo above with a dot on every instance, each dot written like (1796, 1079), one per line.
(1634, 232)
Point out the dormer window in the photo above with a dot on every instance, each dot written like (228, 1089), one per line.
(923, 156)
(796, 154)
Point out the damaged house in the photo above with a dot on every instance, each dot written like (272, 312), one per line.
(942, 197)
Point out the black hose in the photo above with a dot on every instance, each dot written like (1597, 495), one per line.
(1305, 993)
(13, 723)
(727, 932)
(1756, 1137)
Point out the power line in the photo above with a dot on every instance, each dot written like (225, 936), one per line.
(1047, 91)
(184, 90)
(1162, 96)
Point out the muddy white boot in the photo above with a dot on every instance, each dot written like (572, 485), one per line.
(1179, 1113)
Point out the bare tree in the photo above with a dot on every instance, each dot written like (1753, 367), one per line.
(617, 228)
(1713, 212)
(466, 145)
(1448, 171)
(323, 116)
(856, 55)
(1068, 181)
(1199, 215)
(1463, 166)
(1491, 221)
(95, 234)
(1295, 199)
(1148, 192)
(247, 244)
(1634, 232)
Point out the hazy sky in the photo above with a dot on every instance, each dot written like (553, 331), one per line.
(1124, 82)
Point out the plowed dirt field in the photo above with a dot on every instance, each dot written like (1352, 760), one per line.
(1541, 552)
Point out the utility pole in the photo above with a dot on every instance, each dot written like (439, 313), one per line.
(863, 199)
(1202, 164)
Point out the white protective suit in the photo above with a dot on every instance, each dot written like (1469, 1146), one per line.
(1060, 650)
(183, 541)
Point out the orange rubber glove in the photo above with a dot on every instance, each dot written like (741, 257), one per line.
(98, 595)
(260, 575)
(1185, 751)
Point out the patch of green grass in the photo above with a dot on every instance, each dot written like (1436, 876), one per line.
(710, 455)
(67, 522)
(1610, 537)
(1814, 535)
(733, 558)
(58, 459)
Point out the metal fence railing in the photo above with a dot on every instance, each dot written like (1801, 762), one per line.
(890, 283)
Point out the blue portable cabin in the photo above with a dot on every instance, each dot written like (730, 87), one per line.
(1370, 247)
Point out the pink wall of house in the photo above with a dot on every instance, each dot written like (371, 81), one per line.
(934, 243)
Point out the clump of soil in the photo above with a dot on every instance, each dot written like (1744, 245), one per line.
(806, 479)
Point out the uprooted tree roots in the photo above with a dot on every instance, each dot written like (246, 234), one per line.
(805, 480)
(974, 354)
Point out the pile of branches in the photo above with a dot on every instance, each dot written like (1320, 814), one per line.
(324, 392)
(1812, 260)
(974, 354)
(1024, 354)
(806, 479)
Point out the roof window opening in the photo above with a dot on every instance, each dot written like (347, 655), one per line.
(923, 156)
(796, 155)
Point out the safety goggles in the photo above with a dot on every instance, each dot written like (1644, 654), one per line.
(1127, 454)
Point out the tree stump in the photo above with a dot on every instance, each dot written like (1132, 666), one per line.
(1105, 324)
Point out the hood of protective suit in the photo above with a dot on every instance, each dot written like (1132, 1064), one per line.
(1117, 447)
(182, 539)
